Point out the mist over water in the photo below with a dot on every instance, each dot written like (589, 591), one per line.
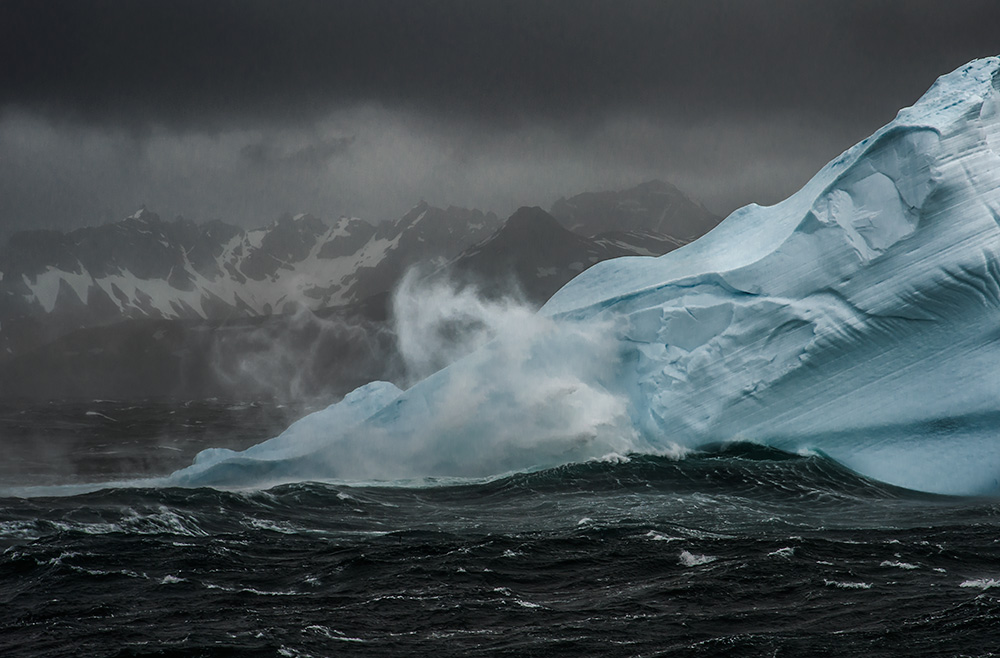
(302, 357)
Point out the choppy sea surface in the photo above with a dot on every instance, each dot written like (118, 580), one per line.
(736, 550)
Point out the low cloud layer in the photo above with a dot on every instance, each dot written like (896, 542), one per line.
(374, 163)
(244, 110)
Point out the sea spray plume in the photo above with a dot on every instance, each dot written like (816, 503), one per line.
(437, 320)
(857, 318)
(537, 394)
(540, 393)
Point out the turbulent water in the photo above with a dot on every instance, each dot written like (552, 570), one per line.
(732, 550)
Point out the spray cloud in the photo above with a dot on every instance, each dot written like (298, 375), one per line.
(522, 390)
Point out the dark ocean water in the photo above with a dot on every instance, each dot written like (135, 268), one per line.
(734, 551)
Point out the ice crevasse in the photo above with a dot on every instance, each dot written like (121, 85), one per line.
(859, 318)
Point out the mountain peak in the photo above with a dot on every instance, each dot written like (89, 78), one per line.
(651, 206)
(530, 218)
(143, 216)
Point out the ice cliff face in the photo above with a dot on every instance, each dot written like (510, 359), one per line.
(860, 318)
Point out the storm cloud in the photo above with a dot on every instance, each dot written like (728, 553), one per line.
(243, 110)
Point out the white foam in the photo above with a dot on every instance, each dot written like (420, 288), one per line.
(331, 634)
(693, 560)
(846, 585)
(100, 415)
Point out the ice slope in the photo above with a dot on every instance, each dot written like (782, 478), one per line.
(859, 318)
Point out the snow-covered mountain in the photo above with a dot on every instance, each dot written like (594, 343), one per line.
(143, 267)
(858, 318)
(147, 268)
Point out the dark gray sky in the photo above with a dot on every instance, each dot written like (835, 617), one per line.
(241, 110)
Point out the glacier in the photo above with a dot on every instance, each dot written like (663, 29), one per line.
(859, 319)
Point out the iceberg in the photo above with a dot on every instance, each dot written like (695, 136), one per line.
(859, 318)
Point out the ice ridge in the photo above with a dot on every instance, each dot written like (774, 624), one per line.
(860, 318)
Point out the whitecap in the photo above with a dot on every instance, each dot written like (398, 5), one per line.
(526, 604)
(846, 585)
(692, 560)
(100, 415)
(331, 634)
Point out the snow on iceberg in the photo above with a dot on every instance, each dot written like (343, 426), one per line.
(859, 318)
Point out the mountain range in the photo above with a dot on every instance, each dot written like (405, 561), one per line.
(108, 291)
